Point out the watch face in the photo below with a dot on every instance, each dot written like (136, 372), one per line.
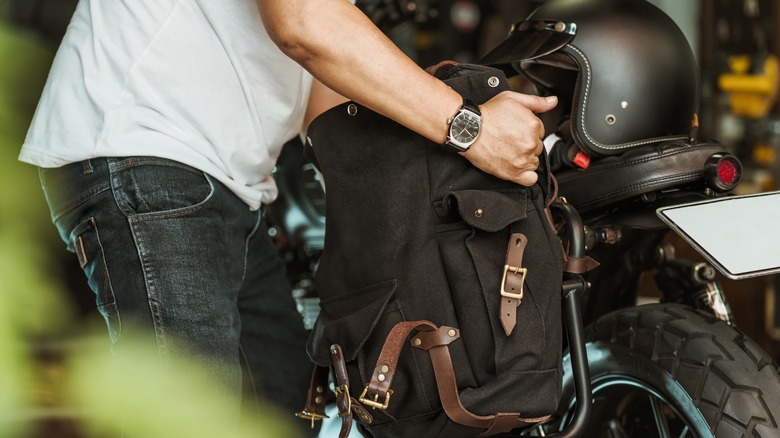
(465, 128)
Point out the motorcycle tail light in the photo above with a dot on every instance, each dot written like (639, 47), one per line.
(722, 172)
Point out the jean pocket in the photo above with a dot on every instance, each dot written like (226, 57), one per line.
(159, 188)
(85, 240)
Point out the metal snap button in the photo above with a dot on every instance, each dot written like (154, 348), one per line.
(493, 82)
(479, 212)
(351, 109)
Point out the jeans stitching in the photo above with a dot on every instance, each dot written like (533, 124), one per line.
(151, 293)
(66, 208)
(242, 349)
(247, 243)
(116, 166)
(109, 298)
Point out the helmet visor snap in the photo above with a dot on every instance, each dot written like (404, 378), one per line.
(530, 39)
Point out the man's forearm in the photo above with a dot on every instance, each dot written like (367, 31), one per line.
(340, 46)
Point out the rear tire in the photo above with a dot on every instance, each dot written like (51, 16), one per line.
(667, 370)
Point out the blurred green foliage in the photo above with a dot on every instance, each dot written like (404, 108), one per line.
(31, 302)
(45, 374)
(178, 402)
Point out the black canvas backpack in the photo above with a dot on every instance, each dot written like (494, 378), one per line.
(439, 284)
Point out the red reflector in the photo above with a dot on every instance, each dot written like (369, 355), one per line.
(727, 171)
(722, 171)
(582, 160)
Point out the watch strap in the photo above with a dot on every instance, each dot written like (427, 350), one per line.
(470, 105)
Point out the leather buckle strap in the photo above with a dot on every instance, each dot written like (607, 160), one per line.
(345, 405)
(512, 285)
(348, 407)
(435, 340)
(343, 399)
(316, 398)
(514, 270)
(375, 404)
(342, 379)
(378, 387)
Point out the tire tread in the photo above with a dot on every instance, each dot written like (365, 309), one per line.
(728, 376)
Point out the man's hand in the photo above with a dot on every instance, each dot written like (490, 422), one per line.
(510, 140)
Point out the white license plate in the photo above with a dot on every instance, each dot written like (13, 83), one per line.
(739, 235)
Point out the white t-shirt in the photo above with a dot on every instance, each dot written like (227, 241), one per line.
(196, 81)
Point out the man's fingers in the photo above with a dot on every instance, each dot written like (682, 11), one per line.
(527, 178)
(511, 150)
(536, 104)
(539, 147)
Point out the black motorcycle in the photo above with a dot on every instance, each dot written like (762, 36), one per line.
(676, 368)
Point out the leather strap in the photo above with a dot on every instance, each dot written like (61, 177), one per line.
(512, 283)
(446, 64)
(377, 393)
(347, 405)
(317, 397)
(435, 340)
(343, 399)
(579, 265)
(316, 400)
(436, 343)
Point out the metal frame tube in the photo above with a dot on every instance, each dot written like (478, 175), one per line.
(575, 330)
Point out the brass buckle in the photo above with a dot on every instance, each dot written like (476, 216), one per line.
(515, 270)
(344, 389)
(375, 404)
(313, 416)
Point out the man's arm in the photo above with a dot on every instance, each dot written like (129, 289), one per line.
(342, 48)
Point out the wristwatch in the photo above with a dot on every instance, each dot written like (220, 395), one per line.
(463, 128)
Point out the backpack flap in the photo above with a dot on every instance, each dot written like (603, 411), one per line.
(348, 320)
(488, 210)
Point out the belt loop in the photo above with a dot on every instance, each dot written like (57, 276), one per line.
(86, 167)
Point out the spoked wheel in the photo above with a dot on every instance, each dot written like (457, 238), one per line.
(667, 371)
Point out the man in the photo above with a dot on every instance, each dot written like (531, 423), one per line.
(156, 136)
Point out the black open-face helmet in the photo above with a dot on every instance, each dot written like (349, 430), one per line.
(623, 71)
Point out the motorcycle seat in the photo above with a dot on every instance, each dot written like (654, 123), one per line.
(636, 172)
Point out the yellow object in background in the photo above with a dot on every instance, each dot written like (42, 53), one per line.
(752, 94)
(764, 154)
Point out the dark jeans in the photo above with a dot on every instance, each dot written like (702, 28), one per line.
(177, 260)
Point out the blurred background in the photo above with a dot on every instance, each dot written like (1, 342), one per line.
(52, 380)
